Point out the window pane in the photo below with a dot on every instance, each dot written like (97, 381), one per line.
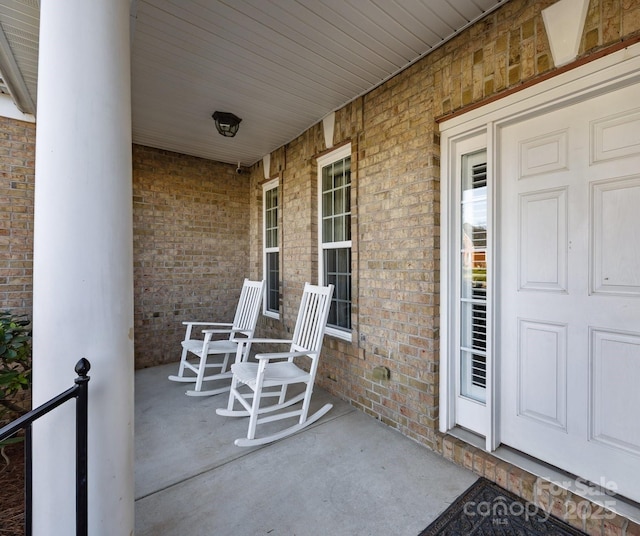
(338, 170)
(327, 178)
(271, 238)
(337, 263)
(338, 200)
(332, 318)
(343, 314)
(327, 204)
(330, 261)
(474, 375)
(344, 261)
(327, 230)
(474, 326)
(343, 287)
(273, 282)
(473, 275)
(474, 218)
(474, 200)
(338, 229)
(347, 200)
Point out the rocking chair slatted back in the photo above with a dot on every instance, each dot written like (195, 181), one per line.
(248, 308)
(312, 319)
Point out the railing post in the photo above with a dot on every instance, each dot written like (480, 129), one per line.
(82, 429)
(80, 392)
(28, 480)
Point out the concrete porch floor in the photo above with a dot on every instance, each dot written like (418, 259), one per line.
(347, 474)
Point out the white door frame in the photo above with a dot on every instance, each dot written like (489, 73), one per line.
(605, 74)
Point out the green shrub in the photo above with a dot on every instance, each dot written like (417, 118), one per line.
(15, 363)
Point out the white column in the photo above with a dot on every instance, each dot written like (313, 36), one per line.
(83, 262)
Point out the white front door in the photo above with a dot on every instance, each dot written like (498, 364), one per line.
(568, 288)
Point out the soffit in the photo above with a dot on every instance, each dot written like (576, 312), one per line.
(280, 65)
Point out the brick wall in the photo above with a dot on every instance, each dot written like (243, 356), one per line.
(17, 164)
(191, 247)
(190, 238)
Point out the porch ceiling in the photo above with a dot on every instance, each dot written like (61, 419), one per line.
(280, 65)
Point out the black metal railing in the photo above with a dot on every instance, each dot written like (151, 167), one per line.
(80, 392)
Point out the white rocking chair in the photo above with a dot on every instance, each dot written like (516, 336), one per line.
(244, 325)
(279, 370)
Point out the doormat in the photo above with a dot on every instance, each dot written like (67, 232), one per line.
(486, 509)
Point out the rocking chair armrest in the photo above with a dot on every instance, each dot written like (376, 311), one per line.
(280, 355)
(205, 331)
(262, 341)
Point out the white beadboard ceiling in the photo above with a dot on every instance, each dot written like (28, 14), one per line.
(280, 65)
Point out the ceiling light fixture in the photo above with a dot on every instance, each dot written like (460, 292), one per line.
(226, 123)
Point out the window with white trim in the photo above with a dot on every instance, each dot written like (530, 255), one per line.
(334, 187)
(271, 259)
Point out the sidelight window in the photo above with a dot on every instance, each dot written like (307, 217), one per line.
(473, 276)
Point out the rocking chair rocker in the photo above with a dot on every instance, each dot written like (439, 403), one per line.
(279, 370)
(244, 325)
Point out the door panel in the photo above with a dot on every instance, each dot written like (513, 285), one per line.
(616, 248)
(543, 241)
(569, 288)
(615, 360)
(542, 372)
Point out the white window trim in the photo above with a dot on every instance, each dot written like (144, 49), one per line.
(275, 183)
(451, 401)
(322, 161)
